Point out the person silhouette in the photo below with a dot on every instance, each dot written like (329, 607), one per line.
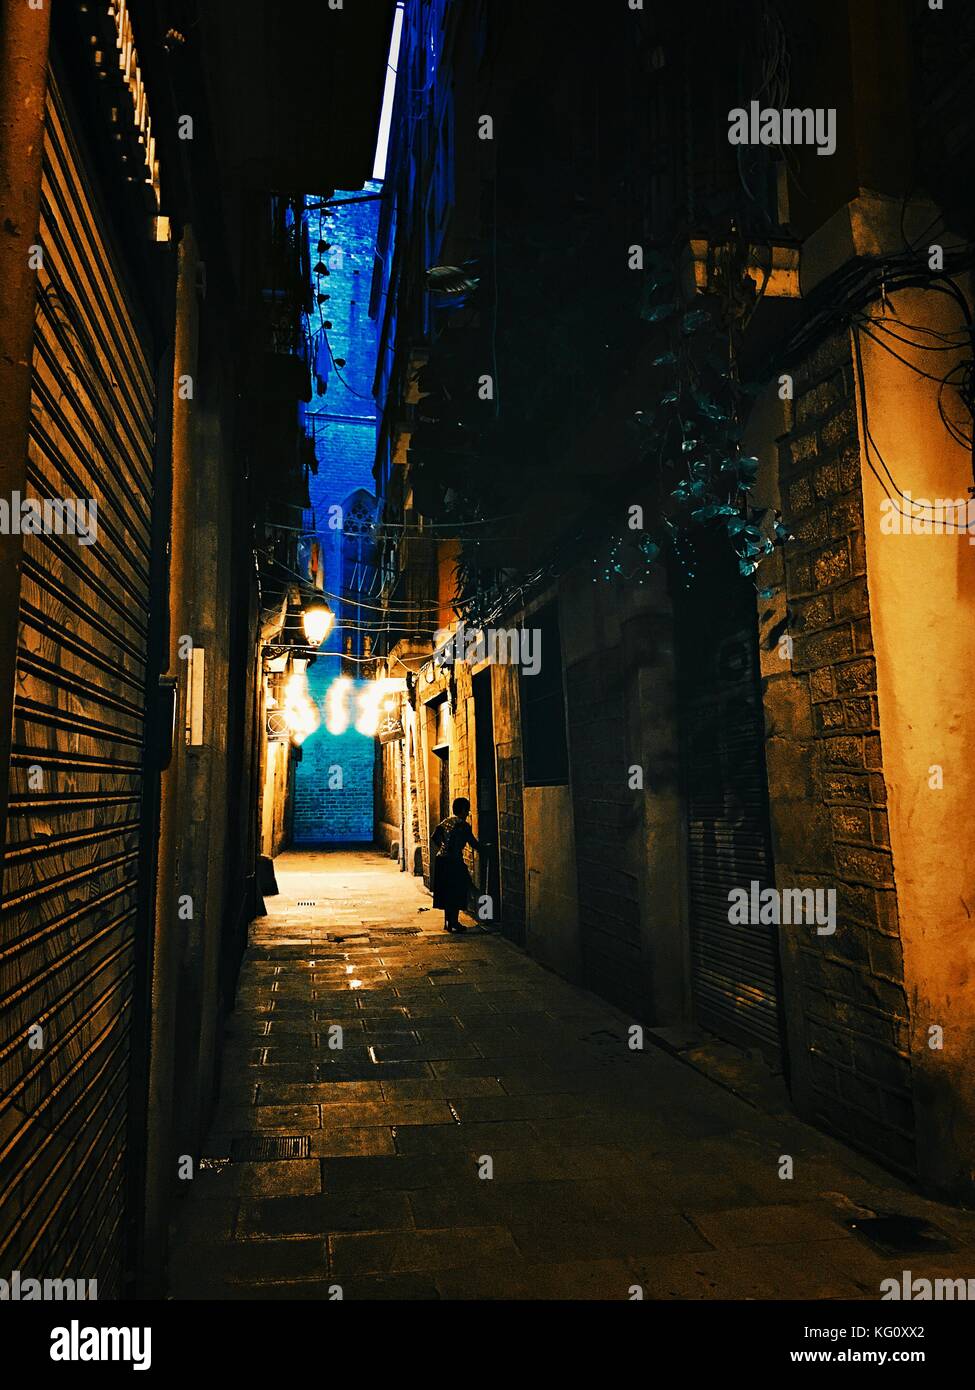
(452, 883)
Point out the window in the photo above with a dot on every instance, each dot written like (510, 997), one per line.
(544, 749)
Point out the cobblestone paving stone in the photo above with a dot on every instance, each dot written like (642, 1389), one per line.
(612, 1169)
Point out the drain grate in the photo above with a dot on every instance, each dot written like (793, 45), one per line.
(900, 1235)
(253, 1148)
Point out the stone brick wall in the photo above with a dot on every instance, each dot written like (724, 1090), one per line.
(342, 420)
(458, 690)
(387, 793)
(346, 451)
(350, 231)
(331, 815)
(342, 417)
(462, 763)
(462, 737)
(844, 1002)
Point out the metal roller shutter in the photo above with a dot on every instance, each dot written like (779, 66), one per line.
(70, 872)
(734, 969)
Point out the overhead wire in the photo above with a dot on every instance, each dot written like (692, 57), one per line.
(871, 442)
(360, 603)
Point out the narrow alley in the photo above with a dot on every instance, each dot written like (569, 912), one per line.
(361, 1172)
(467, 464)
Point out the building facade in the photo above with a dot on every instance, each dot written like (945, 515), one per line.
(154, 278)
(721, 485)
(334, 780)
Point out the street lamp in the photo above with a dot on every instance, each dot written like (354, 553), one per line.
(317, 621)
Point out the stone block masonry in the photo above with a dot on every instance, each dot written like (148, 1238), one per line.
(333, 800)
(848, 1015)
(342, 420)
(346, 453)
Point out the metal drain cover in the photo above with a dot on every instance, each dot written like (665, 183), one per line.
(252, 1148)
(900, 1235)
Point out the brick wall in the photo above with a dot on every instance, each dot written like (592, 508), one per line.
(462, 737)
(387, 792)
(350, 231)
(420, 752)
(342, 419)
(463, 756)
(342, 416)
(346, 451)
(324, 814)
(845, 1003)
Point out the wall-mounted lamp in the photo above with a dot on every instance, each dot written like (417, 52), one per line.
(317, 621)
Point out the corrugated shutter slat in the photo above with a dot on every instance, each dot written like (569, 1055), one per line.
(70, 874)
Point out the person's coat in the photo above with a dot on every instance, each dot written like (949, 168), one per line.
(452, 882)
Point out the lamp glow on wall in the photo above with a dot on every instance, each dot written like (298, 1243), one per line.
(343, 704)
(317, 619)
(298, 708)
(368, 718)
(382, 695)
(338, 699)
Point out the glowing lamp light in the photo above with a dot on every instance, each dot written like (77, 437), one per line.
(381, 695)
(298, 709)
(337, 701)
(368, 720)
(361, 706)
(317, 621)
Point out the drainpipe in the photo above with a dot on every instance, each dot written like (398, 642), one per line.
(24, 42)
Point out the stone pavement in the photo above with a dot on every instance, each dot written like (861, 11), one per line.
(611, 1168)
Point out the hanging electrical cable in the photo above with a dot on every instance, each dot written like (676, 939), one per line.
(916, 514)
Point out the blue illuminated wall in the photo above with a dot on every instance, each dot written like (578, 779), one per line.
(342, 811)
(341, 416)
